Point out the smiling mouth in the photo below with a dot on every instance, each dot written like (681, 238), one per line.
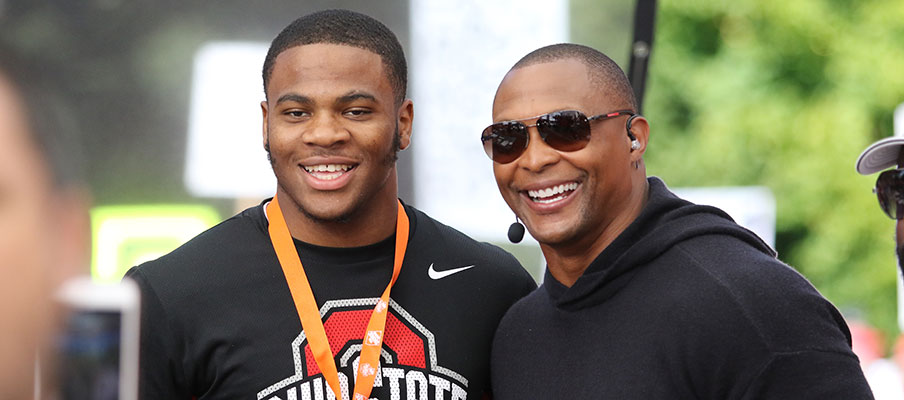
(552, 194)
(328, 172)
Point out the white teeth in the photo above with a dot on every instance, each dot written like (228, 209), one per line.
(546, 195)
(327, 168)
(327, 171)
(547, 201)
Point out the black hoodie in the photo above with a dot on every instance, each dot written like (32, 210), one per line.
(684, 304)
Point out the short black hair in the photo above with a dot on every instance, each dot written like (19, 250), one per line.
(346, 28)
(51, 125)
(604, 72)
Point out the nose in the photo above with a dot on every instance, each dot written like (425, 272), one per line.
(325, 130)
(538, 155)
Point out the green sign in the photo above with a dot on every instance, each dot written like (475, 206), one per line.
(127, 235)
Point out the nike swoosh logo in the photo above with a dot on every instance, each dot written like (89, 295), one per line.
(434, 274)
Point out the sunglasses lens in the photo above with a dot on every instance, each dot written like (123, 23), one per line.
(565, 130)
(504, 142)
(890, 191)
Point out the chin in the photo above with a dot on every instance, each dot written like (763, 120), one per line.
(328, 216)
(552, 228)
(551, 234)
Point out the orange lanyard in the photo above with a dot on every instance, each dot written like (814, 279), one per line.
(311, 323)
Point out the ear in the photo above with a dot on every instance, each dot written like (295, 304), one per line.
(405, 122)
(265, 126)
(640, 128)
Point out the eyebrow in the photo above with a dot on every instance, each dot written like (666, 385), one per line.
(354, 95)
(344, 99)
(294, 97)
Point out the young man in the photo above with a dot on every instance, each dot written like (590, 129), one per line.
(883, 154)
(44, 229)
(333, 288)
(646, 296)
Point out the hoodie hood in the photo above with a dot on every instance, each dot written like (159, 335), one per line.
(665, 221)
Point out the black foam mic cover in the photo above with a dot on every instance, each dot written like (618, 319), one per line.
(516, 232)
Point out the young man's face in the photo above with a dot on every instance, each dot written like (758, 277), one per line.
(333, 128)
(596, 178)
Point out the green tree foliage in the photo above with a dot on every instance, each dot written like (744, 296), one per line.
(785, 95)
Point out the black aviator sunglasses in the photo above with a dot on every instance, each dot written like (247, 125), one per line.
(567, 130)
(890, 191)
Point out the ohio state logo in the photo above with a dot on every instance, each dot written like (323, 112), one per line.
(408, 366)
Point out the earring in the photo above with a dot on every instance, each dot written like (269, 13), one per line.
(516, 231)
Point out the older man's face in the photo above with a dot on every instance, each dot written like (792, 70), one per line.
(591, 186)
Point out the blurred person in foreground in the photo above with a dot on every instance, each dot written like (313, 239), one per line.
(44, 228)
(291, 299)
(646, 295)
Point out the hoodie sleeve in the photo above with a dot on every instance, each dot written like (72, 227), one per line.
(776, 335)
(810, 375)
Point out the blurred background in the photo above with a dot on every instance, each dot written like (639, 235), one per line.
(772, 95)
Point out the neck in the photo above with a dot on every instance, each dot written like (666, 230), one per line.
(369, 223)
(567, 261)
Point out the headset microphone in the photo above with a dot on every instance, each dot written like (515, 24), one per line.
(516, 231)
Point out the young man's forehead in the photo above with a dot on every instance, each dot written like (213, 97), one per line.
(302, 64)
(378, 61)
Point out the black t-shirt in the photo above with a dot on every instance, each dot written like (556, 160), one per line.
(219, 322)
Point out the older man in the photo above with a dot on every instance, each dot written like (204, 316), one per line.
(646, 296)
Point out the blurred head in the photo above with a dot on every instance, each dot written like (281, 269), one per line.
(568, 196)
(335, 118)
(879, 156)
(43, 222)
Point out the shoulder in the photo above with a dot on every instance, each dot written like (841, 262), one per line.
(731, 265)
(724, 281)
(719, 295)
(218, 248)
